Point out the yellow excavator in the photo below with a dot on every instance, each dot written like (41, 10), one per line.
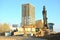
(41, 32)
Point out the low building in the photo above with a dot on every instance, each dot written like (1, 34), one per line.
(39, 24)
(27, 31)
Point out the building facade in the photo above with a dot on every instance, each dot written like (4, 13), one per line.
(39, 24)
(28, 14)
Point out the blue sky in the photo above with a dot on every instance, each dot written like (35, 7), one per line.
(10, 11)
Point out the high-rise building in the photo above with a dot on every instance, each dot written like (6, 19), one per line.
(28, 14)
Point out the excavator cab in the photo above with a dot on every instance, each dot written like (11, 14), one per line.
(37, 29)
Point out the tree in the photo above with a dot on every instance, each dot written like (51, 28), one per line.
(4, 27)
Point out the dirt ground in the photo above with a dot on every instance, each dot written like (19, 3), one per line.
(19, 38)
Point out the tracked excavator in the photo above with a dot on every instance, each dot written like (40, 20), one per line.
(41, 32)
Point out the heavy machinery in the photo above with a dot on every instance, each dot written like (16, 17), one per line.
(40, 32)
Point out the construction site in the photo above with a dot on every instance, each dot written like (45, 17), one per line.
(31, 28)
